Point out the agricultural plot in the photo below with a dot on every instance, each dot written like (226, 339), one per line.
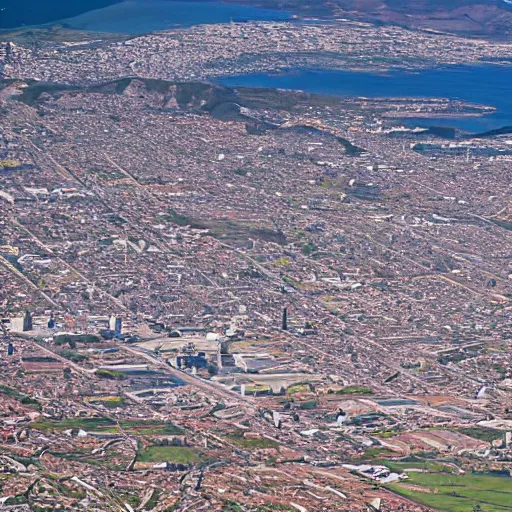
(458, 493)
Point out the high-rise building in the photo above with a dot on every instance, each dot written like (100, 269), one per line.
(118, 326)
(27, 321)
(112, 322)
(22, 323)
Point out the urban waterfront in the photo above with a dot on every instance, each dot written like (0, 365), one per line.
(482, 85)
(143, 16)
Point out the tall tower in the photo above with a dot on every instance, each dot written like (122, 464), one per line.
(118, 326)
(219, 356)
(284, 326)
(27, 321)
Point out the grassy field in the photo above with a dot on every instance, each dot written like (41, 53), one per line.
(88, 424)
(427, 465)
(484, 434)
(458, 493)
(107, 426)
(107, 401)
(176, 454)
(353, 390)
(150, 428)
(378, 451)
(257, 388)
(304, 387)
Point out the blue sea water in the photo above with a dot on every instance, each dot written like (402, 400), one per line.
(130, 16)
(489, 85)
(142, 16)
(15, 13)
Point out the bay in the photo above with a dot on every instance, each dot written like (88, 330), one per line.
(129, 16)
(489, 85)
(17, 13)
(142, 16)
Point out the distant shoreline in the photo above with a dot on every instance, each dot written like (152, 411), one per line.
(138, 17)
(25, 14)
(21, 14)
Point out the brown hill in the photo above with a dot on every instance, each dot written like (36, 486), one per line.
(470, 17)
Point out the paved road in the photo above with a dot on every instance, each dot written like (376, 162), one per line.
(193, 380)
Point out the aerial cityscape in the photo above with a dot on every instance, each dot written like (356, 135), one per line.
(256, 256)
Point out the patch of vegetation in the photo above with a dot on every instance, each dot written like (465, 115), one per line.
(9, 164)
(502, 370)
(415, 463)
(482, 433)
(26, 461)
(19, 499)
(64, 490)
(176, 218)
(88, 424)
(27, 400)
(308, 249)
(458, 493)
(377, 451)
(132, 499)
(75, 357)
(240, 233)
(116, 219)
(502, 224)
(150, 428)
(107, 401)
(364, 193)
(153, 501)
(233, 506)
(173, 454)
(350, 149)
(106, 174)
(110, 374)
(386, 434)
(258, 388)
(6, 390)
(55, 32)
(227, 230)
(73, 339)
(251, 442)
(20, 397)
(353, 390)
(219, 407)
(295, 284)
(106, 241)
(282, 262)
(299, 387)
(311, 404)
